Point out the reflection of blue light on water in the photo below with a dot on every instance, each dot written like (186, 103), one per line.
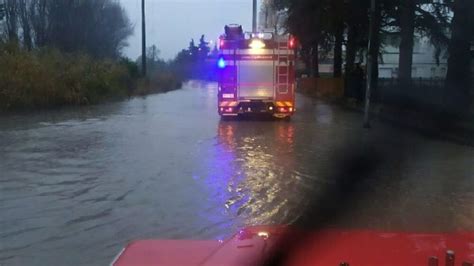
(222, 178)
(221, 63)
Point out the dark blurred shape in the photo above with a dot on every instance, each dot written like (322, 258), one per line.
(352, 168)
(433, 261)
(450, 258)
(233, 32)
(458, 78)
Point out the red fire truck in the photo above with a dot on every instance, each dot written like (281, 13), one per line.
(256, 73)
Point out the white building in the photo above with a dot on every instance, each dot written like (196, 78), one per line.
(424, 61)
(270, 19)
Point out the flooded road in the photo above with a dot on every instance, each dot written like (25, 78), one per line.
(77, 184)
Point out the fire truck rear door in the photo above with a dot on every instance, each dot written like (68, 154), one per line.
(256, 74)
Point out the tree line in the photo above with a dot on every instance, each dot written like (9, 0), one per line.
(198, 61)
(99, 28)
(325, 26)
(69, 52)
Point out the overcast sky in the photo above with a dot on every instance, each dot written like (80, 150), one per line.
(172, 23)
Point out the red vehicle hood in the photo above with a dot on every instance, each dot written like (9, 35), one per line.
(255, 245)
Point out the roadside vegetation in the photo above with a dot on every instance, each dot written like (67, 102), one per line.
(341, 29)
(197, 61)
(48, 77)
(56, 53)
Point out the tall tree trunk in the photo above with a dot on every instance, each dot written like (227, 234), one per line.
(11, 14)
(306, 58)
(339, 32)
(316, 39)
(372, 58)
(375, 50)
(25, 24)
(351, 52)
(407, 29)
(38, 13)
(353, 20)
(314, 72)
(458, 80)
(351, 48)
(338, 51)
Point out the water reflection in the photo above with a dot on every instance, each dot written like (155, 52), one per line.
(253, 176)
(163, 166)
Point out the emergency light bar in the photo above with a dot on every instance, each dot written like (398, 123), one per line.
(259, 35)
(257, 44)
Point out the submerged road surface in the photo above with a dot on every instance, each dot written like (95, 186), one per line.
(77, 184)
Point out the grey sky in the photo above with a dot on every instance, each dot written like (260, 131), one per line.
(172, 23)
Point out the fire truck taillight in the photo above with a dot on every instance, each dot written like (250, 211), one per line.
(292, 43)
(257, 44)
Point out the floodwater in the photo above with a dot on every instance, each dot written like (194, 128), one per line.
(77, 184)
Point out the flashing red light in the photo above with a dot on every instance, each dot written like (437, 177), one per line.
(283, 110)
(228, 110)
(221, 43)
(292, 43)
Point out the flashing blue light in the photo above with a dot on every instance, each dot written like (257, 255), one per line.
(221, 63)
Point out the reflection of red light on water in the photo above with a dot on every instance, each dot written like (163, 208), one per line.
(285, 135)
(227, 134)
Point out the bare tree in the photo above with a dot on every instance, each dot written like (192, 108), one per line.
(39, 21)
(11, 15)
(98, 27)
(24, 17)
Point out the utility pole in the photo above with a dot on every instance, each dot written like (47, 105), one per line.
(143, 40)
(369, 65)
(254, 16)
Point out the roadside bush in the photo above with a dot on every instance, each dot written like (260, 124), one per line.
(160, 79)
(131, 66)
(46, 78)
